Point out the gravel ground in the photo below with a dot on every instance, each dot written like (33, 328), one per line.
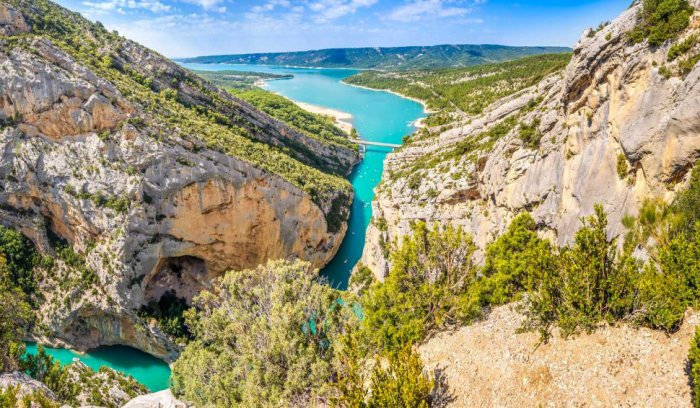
(489, 364)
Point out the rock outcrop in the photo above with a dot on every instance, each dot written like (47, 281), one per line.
(160, 399)
(612, 128)
(25, 385)
(156, 178)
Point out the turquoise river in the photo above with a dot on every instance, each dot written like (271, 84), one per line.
(377, 116)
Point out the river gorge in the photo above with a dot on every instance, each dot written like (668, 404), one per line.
(377, 116)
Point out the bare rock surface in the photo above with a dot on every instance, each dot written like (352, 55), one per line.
(160, 399)
(27, 385)
(490, 364)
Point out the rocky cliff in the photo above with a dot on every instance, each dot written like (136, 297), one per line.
(619, 125)
(155, 178)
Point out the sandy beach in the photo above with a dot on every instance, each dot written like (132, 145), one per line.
(342, 119)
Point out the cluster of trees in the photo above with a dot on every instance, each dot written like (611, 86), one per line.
(238, 79)
(281, 108)
(467, 89)
(661, 20)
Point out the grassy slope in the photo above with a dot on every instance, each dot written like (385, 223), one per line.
(387, 58)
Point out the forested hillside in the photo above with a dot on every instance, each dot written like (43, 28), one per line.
(243, 86)
(238, 79)
(395, 58)
(456, 92)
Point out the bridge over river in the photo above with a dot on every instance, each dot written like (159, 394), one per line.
(365, 143)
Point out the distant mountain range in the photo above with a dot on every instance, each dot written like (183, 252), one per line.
(394, 58)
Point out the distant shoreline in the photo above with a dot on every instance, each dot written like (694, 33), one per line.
(342, 119)
(275, 66)
(418, 123)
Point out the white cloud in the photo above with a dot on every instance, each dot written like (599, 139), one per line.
(104, 7)
(210, 5)
(333, 9)
(420, 9)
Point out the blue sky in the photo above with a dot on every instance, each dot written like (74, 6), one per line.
(181, 28)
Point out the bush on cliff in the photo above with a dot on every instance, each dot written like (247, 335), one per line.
(661, 20)
(262, 337)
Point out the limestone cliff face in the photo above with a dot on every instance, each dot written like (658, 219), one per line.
(611, 103)
(149, 207)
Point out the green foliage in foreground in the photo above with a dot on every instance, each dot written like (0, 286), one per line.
(11, 398)
(661, 20)
(426, 288)
(403, 383)
(262, 337)
(469, 90)
(694, 361)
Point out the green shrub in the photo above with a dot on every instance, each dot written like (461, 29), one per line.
(20, 259)
(513, 259)
(530, 134)
(681, 49)
(403, 383)
(263, 337)
(694, 360)
(590, 282)
(661, 20)
(622, 167)
(424, 290)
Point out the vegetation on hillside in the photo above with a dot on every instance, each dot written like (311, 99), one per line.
(694, 363)
(467, 90)
(661, 20)
(16, 321)
(169, 110)
(312, 125)
(392, 58)
(229, 79)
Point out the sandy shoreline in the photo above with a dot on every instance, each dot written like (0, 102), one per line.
(425, 106)
(342, 119)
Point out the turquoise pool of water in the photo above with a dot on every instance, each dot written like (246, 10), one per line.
(148, 370)
(377, 116)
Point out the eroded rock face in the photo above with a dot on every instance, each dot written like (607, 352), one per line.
(610, 102)
(148, 207)
(26, 385)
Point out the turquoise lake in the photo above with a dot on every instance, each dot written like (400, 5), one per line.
(377, 116)
(148, 370)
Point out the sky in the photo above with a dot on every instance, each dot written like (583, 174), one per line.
(188, 28)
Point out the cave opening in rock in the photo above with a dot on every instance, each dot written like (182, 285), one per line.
(170, 291)
(184, 277)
